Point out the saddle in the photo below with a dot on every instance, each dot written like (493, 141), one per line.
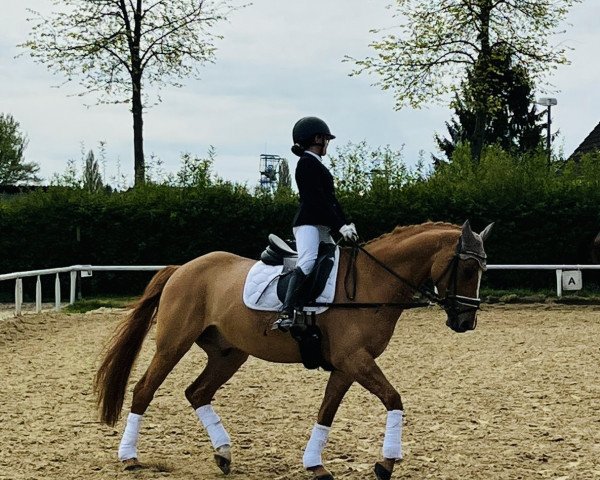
(278, 252)
(307, 333)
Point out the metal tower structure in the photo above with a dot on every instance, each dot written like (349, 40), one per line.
(269, 166)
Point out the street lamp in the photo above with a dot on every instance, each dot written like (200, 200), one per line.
(548, 102)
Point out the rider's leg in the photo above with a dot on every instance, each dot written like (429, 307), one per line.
(307, 244)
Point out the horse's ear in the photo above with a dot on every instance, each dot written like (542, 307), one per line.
(466, 228)
(486, 231)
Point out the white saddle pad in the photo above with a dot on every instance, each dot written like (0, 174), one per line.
(260, 289)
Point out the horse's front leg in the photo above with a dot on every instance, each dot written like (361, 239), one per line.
(362, 368)
(337, 386)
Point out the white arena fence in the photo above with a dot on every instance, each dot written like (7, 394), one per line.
(73, 270)
(85, 270)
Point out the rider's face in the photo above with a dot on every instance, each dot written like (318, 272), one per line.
(324, 144)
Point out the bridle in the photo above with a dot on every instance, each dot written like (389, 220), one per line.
(452, 303)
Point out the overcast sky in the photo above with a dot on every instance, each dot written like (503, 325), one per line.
(280, 60)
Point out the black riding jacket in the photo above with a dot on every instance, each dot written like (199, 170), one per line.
(318, 205)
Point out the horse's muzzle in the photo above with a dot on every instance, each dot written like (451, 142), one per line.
(462, 312)
(462, 325)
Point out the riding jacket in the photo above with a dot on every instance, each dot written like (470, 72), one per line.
(318, 205)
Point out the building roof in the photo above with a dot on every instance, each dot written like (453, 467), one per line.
(590, 144)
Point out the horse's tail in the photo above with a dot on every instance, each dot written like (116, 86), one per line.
(111, 380)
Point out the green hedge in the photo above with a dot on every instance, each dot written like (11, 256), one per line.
(542, 214)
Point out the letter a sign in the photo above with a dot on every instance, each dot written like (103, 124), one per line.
(571, 280)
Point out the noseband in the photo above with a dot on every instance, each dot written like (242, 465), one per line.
(453, 303)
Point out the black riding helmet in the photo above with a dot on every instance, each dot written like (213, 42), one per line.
(304, 132)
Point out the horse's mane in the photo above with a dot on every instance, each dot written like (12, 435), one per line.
(403, 231)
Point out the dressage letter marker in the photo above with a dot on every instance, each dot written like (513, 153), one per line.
(571, 280)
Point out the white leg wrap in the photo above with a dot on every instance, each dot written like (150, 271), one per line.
(128, 446)
(314, 447)
(212, 423)
(392, 442)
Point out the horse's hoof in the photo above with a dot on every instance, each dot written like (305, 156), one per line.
(223, 459)
(131, 464)
(321, 473)
(381, 472)
(223, 463)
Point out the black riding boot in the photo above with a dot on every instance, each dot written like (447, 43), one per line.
(286, 316)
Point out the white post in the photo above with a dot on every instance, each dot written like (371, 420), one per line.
(38, 295)
(57, 292)
(18, 296)
(73, 287)
(559, 283)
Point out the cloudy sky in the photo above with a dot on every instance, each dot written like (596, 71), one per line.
(280, 60)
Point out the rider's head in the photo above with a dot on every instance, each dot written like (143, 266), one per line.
(311, 133)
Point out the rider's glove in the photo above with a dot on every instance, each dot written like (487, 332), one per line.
(349, 232)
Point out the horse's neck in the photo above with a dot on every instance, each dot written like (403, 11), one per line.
(411, 258)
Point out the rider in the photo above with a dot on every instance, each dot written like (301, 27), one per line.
(319, 210)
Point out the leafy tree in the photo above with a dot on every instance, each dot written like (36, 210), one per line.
(284, 177)
(92, 180)
(118, 47)
(84, 173)
(357, 168)
(442, 40)
(13, 167)
(513, 124)
(195, 172)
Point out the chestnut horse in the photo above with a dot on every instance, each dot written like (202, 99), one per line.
(201, 302)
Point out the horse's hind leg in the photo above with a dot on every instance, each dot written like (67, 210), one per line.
(163, 361)
(222, 364)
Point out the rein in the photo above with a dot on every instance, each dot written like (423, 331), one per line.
(351, 273)
(426, 292)
(453, 304)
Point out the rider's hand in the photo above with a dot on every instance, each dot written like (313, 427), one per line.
(348, 231)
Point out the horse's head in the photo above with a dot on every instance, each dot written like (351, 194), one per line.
(457, 275)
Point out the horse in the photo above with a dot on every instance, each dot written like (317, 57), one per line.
(200, 303)
(595, 253)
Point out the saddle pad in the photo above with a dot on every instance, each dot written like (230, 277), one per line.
(260, 289)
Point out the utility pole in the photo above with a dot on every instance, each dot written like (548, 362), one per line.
(548, 103)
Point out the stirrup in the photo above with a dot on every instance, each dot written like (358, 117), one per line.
(284, 323)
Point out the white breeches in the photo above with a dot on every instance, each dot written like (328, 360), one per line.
(308, 238)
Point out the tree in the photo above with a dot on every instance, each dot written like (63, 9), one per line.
(284, 178)
(195, 172)
(514, 123)
(83, 173)
(13, 167)
(442, 39)
(92, 180)
(358, 168)
(117, 47)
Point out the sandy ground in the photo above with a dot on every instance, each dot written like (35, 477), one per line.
(518, 398)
